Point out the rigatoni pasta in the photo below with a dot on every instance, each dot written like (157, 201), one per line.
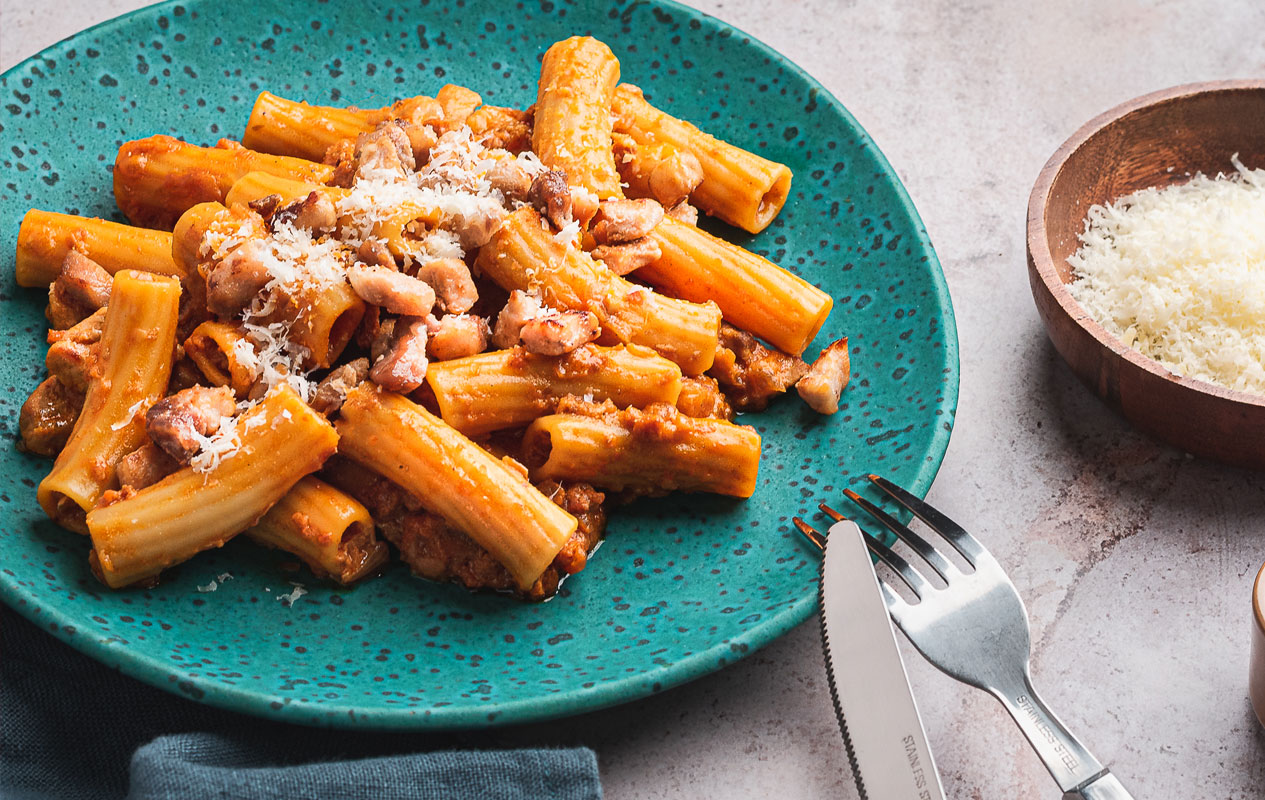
(135, 357)
(451, 475)
(159, 178)
(45, 237)
(434, 328)
(328, 529)
(738, 186)
(753, 293)
(137, 535)
(510, 388)
(572, 130)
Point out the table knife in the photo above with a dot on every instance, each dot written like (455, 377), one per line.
(882, 732)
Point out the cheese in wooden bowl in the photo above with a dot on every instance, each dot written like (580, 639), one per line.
(1146, 257)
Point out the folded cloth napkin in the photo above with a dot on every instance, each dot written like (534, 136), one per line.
(71, 728)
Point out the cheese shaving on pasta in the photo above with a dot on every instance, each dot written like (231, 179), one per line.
(1179, 274)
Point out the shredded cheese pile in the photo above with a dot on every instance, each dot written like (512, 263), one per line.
(1179, 274)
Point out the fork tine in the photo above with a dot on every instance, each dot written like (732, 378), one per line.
(900, 566)
(810, 533)
(921, 546)
(953, 533)
(897, 608)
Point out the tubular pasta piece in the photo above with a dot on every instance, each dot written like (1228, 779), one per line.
(524, 255)
(141, 533)
(738, 186)
(654, 450)
(328, 529)
(137, 342)
(753, 293)
(159, 178)
(455, 478)
(572, 130)
(508, 388)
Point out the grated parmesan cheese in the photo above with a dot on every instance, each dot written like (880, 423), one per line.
(1179, 274)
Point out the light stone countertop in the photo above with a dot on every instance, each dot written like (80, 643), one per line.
(1135, 560)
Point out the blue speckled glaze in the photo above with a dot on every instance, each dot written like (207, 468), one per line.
(683, 585)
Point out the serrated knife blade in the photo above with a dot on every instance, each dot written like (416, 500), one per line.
(882, 731)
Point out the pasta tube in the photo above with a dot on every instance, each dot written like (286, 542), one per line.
(45, 238)
(753, 293)
(292, 128)
(508, 388)
(455, 478)
(159, 178)
(572, 129)
(142, 533)
(329, 530)
(256, 185)
(221, 351)
(738, 186)
(655, 450)
(523, 254)
(137, 342)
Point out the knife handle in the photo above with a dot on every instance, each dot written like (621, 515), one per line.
(1104, 787)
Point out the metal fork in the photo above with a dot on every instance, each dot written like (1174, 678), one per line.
(975, 629)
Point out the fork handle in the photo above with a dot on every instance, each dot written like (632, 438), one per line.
(1073, 768)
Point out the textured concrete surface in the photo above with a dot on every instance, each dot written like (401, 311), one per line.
(1135, 560)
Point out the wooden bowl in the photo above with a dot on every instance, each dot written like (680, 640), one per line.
(1155, 140)
(1256, 674)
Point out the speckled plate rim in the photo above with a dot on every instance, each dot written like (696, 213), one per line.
(158, 673)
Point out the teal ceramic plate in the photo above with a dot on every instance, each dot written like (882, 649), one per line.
(683, 585)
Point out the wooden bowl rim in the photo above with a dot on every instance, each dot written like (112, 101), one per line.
(1040, 257)
(1258, 604)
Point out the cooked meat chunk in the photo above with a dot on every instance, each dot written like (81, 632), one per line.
(502, 128)
(81, 288)
(342, 156)
(237, 278)
(750, 373)
(673, 178)
(457, 336)
(474, 227)
(332, 390)
(559, 332)
(584, 205)
(47, 418)
(73, 354)
(450, 278)
(458, 103)
(551, 197)
(620, 221)
(176, 423)
(386, 147)
(394, 291)
(315, 213)
(823, 385)
(374, 253)
(510, 179)
(683, 212)
(145, 466)
(402, 367)
(421, 139)
(622, 259)
(265, 206)
(701, 397)
(520, 307)
(437, 551)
